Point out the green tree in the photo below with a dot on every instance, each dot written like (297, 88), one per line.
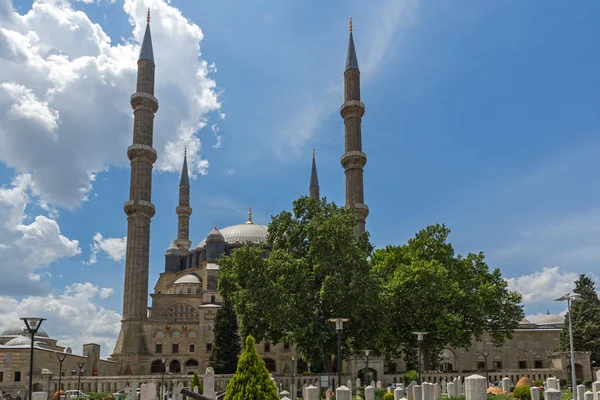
(426, 287)
(586, 324)
(226, 347)
(251, 380)
(316, 269)
(197, 383)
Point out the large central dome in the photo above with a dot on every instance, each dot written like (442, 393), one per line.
(242, 233)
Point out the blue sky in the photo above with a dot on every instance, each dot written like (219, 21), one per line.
(483, 116)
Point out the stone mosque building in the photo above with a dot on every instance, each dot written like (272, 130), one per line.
(176, 331)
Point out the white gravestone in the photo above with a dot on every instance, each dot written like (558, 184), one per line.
(476, 388)
(349, 384)
(588, 395)
(358, 383)
(451, 391)
(398, 393)
(144, 392)
(410, 394)
(444, 383)
(535, 393)
(343, 393)
(39, 395)
(427, 390)
(369, 393)
(437, 391)
(580, 392)
(552, 383)
(506, 385)
(378, 385)
(312, 393)
(418, 392)
(209, 383)
(596, 390)
(552, 394)
(152, 389)
(328, 394)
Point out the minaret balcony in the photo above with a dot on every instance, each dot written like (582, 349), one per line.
(144, 100)
(353, 160)
(352, 109)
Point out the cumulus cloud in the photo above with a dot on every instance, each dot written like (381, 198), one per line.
(543, 287)
(113, 247)
(73, 318)
(27, 245)
(65, 87)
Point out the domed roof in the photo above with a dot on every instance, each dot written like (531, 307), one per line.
(21, 330)
(549, 319)
(18, 341)
(191, 278)
(524, 381)
(242, 233)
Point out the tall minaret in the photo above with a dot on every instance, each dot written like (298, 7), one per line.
(184, 210)
(314, 180)
(353, 160)
(131, 347)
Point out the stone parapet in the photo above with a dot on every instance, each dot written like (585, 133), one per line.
(139, 207)
(141, 152)
(140, 100)
(353, 160)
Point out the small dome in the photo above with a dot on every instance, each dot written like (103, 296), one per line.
(549, 319)
(172, 249)
(19, 341)
(524, 381)
(215, 235)
(21, 330)
(191, 278)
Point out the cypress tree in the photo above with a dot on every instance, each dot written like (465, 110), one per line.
(196, 382)
(584, 317)
(226, 348)
(251, 380)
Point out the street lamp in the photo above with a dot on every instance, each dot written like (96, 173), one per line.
(293, 385)
(367, 374)
(485, 355)
(420, 336)
(569, 297)
(80, 365)
(33, 325)
(60, 361)
(339, 328)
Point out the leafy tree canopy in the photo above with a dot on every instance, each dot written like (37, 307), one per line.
(226, 347)
(585, 317)
(316, 269)
(251, 380)
(426, 287)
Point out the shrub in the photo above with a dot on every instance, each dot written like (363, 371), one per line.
(379, 393)
(522, 393)
(388, 396)
(587, 383)
(539, 382)
(251, 380)
(563, 383)
(196, 383)
(409, 376)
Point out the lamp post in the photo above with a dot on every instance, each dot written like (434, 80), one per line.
(569, 297)
(163, 362)
(420, 336)
(80, 365)
(485, 355)
(33, 325)
(60, 361)
(339, 328)
(367, 373)
(293, 385)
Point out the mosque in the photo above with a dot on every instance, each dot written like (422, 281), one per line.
(175, 334)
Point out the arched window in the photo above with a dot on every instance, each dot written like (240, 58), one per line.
(191, 363)
(538, 361)
(497, 362)
(270, 363)
(176, 334)
(522, 361)
(480, 363)
(301, 366)
(192, 334)
(159, 334)
(175, 367)
(156, 367)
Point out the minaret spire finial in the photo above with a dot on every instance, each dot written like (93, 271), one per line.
(249, 216)
(313, 189)
(185, 151)
(349, 25)
(148, 19)
(313, 152)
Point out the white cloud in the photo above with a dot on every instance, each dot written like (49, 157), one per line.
(106, 292)
(27, 245)
(215, 128)
(72, 317)
(113, 247)
(541, 288)
(65, 88)
(230, 171)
